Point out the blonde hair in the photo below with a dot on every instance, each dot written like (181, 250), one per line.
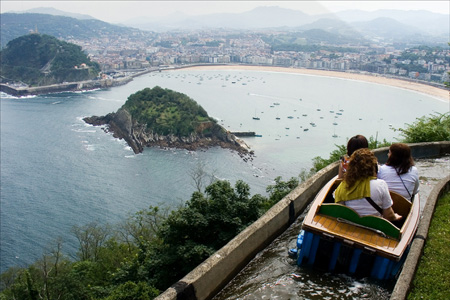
(362, 164)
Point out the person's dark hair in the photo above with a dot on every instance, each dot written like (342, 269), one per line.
(355, 143)
(400, 158)
(362, 164)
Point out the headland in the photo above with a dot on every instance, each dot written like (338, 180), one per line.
(169, 119)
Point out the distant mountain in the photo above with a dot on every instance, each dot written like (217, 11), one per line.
(383, 25)
(16, 25)
(57, 12)
(387, 28)
(404, 24)
(422, 22)
(260, 17)
(334, 26)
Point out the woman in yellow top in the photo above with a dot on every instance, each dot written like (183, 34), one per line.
(362, 190)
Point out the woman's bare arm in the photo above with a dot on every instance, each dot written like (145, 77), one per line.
(390, 215)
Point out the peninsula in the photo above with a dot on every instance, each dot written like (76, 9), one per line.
(37, 64)
(169, 119)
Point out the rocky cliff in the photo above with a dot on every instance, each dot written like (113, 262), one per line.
(122, 125)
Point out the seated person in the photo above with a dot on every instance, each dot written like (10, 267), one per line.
(399, 171)
(355, 143)
(362, 191)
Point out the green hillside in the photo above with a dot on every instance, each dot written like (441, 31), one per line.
(167, 112)
(39, 59)
(65, 28)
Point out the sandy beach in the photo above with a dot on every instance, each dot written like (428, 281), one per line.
(415, 86)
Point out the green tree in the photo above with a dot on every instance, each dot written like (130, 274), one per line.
(133, 291)
(433, 128)
(91, 238)
(279, 190)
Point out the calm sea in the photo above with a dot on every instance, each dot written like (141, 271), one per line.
(57, 172)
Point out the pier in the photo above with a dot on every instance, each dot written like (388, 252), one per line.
(63, 87)
(244, 133)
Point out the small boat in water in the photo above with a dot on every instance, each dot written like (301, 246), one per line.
(335, 238)
(256, 117)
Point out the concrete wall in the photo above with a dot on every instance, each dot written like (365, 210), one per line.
(215, 272)
(63, 87)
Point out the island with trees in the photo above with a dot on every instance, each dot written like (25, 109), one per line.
(165, 118)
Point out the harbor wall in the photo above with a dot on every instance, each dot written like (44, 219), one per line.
(63, 87)
(213, 274)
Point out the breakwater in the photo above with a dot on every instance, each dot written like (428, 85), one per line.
(243, 133)
(63, 87)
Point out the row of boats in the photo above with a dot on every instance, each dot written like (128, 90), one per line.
(313, 124)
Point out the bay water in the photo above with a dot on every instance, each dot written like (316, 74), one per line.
(57, 171)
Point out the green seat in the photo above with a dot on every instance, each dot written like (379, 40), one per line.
(349, 214)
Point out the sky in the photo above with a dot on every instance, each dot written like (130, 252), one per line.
(119, 10)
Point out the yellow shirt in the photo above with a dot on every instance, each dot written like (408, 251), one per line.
(360, 189)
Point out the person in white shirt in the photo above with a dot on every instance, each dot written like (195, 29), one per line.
(362, 190)
(399, 171)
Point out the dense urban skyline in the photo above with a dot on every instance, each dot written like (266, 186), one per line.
(118, 11)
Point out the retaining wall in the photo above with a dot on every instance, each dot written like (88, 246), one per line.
(214, 273)
(403, 285)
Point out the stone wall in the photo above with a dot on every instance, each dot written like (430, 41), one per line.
(63, 87)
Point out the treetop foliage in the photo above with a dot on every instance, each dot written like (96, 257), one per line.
(167, 112)
(433, 128)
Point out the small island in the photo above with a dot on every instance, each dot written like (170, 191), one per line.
(169, 119)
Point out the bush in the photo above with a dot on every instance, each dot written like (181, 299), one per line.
(433, 128)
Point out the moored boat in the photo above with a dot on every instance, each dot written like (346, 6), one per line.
(336, 239)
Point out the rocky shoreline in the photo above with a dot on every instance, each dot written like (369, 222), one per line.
(137, 136)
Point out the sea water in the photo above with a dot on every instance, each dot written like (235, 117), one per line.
(57, 171)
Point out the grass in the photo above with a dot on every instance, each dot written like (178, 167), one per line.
(432, 279)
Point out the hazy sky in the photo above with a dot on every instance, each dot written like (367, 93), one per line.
(117, 10)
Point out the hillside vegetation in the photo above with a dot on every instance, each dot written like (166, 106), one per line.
(15, 25)
(166, 111)
(38, 60)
